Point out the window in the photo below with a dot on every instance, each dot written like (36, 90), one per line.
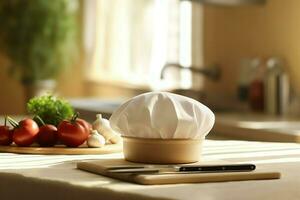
(129, 41)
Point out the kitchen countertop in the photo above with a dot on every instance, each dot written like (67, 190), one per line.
(55, 176)
(258, 127)
(237, 125)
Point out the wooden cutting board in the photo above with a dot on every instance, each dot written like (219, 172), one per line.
(101, 166)
(62, 150)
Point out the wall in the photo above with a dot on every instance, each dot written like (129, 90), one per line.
(11, 96)
(233, 33)
(70, 84)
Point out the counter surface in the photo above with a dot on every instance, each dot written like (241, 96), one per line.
(257, 127)
(56, 177)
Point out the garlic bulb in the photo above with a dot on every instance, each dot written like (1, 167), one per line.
(103, 127)
(95, 140)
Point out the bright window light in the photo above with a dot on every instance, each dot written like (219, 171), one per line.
(185, 42)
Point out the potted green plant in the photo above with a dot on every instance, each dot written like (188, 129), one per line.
(39, 38)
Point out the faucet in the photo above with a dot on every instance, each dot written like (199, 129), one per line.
(212, 72)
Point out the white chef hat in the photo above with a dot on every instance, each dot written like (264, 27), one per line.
(163, 115)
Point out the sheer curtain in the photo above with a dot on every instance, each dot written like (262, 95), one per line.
(129, 41)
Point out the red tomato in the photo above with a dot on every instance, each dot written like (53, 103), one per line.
(5, 135)
(26, 132)
(47, 135)
(72, 133)
(87, 126)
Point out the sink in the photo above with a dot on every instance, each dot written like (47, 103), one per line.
(194, 94)
(211, 100)
(89, 107)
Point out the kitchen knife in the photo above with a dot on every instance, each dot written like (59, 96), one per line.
(183, 169)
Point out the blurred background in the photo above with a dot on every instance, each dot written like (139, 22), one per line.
(235, 55)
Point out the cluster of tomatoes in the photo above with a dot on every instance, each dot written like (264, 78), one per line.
(71, 133)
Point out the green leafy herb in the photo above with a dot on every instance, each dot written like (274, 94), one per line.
(51, 109)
